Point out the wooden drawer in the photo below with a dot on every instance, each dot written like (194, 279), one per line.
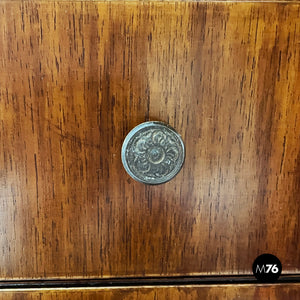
(76, 77)
(259, 292)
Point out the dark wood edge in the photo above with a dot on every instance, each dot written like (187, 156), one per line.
(141, 281)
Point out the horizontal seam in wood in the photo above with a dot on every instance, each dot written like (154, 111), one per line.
(141, 281)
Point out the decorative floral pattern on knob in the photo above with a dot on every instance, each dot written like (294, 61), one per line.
(153, 153)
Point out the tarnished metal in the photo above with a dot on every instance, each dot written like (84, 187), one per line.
(153, 153)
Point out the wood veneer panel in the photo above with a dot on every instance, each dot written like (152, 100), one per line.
(76, 77)
(263, 292)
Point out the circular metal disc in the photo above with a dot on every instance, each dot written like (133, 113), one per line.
(153, 153)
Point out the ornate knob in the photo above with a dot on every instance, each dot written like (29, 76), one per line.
(153, 153)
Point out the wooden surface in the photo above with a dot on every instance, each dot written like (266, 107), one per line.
(76, 77)
(244, 292)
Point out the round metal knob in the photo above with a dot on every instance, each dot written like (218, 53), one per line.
(153, 153)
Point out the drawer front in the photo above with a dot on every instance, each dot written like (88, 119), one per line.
(76, 77)
(276, 292)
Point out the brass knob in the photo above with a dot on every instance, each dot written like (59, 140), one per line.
(153, 153)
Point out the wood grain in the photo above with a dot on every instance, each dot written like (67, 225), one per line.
(76, 77)
(247, 292)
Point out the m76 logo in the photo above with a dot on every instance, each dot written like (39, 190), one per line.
(267, 268)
